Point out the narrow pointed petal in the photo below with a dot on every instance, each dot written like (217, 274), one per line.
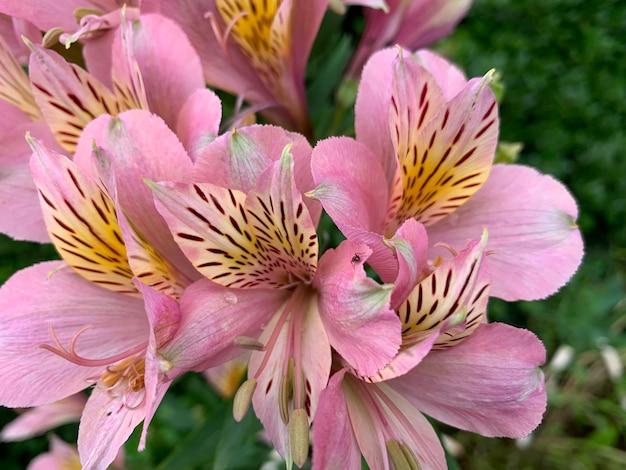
(355, 309)
(450, 158)
(105, 426)
(69, 98)
(350, 184)
(41, 419)
(169, 65)
(533, 235)
(35, 376)
(198, 122)
(489, 384)
(81, 220)
(334, 443)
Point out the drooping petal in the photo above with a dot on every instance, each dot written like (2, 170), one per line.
(450, 158)
(105, 426)
(66, 303)
(355, 309)
(535, 243)
(41, 419)
(489, 384)
(68, 96)
(81, 220)
(334, 443)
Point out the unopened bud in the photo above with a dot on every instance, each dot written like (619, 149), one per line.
(299, 436)
(243, 398)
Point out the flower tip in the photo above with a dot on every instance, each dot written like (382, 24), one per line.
(243, 398)
(299, 436)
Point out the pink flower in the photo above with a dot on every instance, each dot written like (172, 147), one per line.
(251, 230)
(257, 50)
(409, 23)
(425, 142)
(451, 365)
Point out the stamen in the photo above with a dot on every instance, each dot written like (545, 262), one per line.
(447, 247)
(71, 355)
(243, 398)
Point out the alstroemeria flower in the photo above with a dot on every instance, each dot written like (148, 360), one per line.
(452, 366)
(409, 23)
(254, 49)
(425, 142)
(145, 74)
(37, 420)
(63, 456)
(251, 230)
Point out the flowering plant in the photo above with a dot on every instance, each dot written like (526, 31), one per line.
(191, 238)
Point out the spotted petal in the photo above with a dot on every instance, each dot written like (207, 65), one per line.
(448, 160)
(81, 220)
(264, 240)
(14, 84)
(68, 96)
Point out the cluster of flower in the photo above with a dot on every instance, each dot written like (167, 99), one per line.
(184, 247)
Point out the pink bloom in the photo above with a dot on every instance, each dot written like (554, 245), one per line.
(255, 49)
(429, 136)
(250, 230)
(409, 23)
(37, 420)
(451, 366)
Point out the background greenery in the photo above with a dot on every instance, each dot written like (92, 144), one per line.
(563, 66)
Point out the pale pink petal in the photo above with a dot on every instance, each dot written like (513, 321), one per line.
(134, 146)
(410, 244)
(61, 456)
(371, 110)
(169, 65)
(213, 316)
(350, 184)
(41, 419)
(68, 96)
(237, 159)
(46, 14)
(533, 237)
(489, 384)
(198, 121)
(11, 30)
(334, 443)
(450, 79)
(355, 309)
(315, 368)
(105, 426)
(35, 376)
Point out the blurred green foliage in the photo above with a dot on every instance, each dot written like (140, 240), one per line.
(564, 76)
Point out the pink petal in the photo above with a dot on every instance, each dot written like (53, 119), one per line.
(350, 184)
(46, 14)
(355, 309)
(334, 443)
(105, 426)
(450, 79)
(41, 419)
(535, 243)
(237, 159)
(198, 121)
(34, 376)
(372, 109)
(489, 384)
(169, 65)
(61, 453)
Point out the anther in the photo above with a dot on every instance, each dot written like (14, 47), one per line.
(243, 398)
(299, 436)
